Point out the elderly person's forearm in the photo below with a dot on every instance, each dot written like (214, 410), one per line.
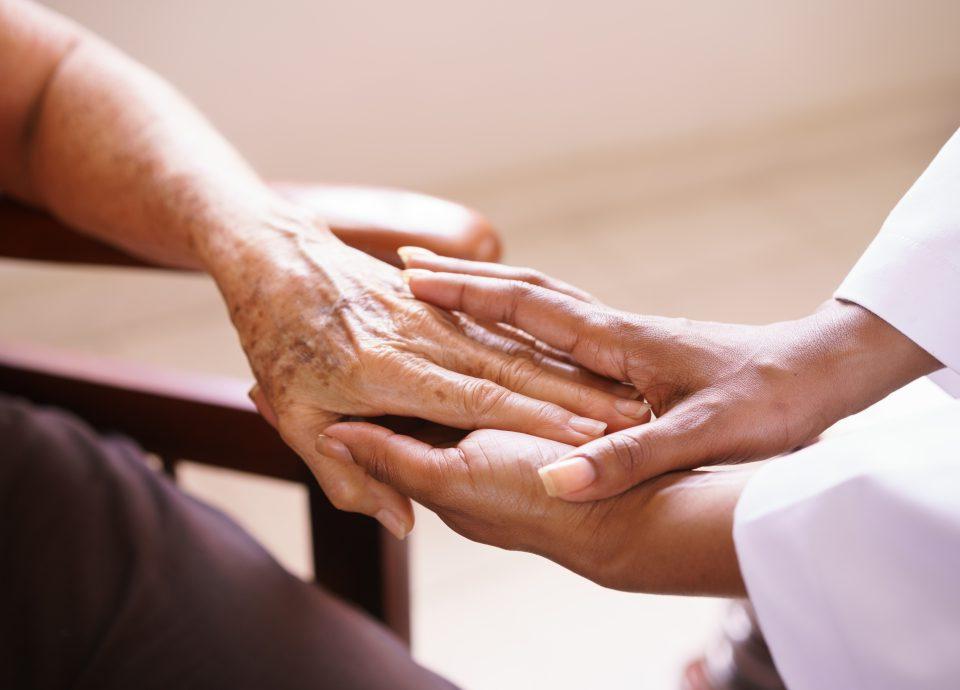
(111, 149)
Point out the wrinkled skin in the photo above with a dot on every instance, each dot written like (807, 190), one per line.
(721, 392)
(671, 534)
(332, 332)
(104, 145)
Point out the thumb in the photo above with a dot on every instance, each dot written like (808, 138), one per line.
(410, 466)
(345, 483)
(615, 463)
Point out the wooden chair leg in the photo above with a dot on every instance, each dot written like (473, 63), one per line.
(355, 559)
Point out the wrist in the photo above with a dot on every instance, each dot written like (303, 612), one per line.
(263, 229)
(862, 357)
(693, 508)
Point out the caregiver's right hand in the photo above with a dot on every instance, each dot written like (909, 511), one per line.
(721, 392)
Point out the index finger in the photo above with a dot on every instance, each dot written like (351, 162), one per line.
(559, 320)
(418, 257)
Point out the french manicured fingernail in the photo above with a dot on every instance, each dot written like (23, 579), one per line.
(632, 408)
(333, 448)
(565, 477)
(407, 253)
(394, 525)
(590, 427)
(409, 273)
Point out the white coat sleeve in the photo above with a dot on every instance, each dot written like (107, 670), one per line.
(910, 274)
(850, 551)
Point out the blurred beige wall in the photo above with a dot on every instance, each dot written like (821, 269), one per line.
(430, 93)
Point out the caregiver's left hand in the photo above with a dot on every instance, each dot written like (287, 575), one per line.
(672, 534)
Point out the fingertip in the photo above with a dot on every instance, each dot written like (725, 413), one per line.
(568, 476)
(441, 289)
(339, 428)
(636, 411)
(591, 428)
(410, 275)
(393, 523)
(409, 254)
(547, 420)
(353, 432)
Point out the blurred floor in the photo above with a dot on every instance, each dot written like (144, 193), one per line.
(752, 228)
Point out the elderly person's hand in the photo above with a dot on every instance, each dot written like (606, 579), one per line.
(332, 332)
(721, 392)
(672, 534)
(107, 147)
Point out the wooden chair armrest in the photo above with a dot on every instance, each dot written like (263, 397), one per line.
(378, 220)
(207, 419)
(375, 220)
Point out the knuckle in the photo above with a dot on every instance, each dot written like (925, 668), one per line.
(707, 413)
(549, 414)
(531, 276)
(415, 317)
(517, 373)
(627, 454)
(522, 289)
(625, 327)
(382, 359)
(482, 398)
(587, 397)
(378, 467)
(516, 293)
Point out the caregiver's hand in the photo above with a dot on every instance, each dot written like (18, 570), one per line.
(721, 393)
(672, 534)
(330, 331)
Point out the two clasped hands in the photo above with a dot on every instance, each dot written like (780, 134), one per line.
(595, 427)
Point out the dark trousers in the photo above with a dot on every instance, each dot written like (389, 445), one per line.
(111, 577)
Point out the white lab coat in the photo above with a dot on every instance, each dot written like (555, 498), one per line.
(850, 549)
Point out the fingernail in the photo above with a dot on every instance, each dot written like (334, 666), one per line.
(408, 252)
(333, 448)
(632, 408)
(393, 524)
(590, 427)
(409, 273)
(565, 477)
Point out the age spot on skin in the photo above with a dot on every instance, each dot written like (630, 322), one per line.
(303, 351)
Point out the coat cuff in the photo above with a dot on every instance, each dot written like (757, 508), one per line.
(915, 288)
